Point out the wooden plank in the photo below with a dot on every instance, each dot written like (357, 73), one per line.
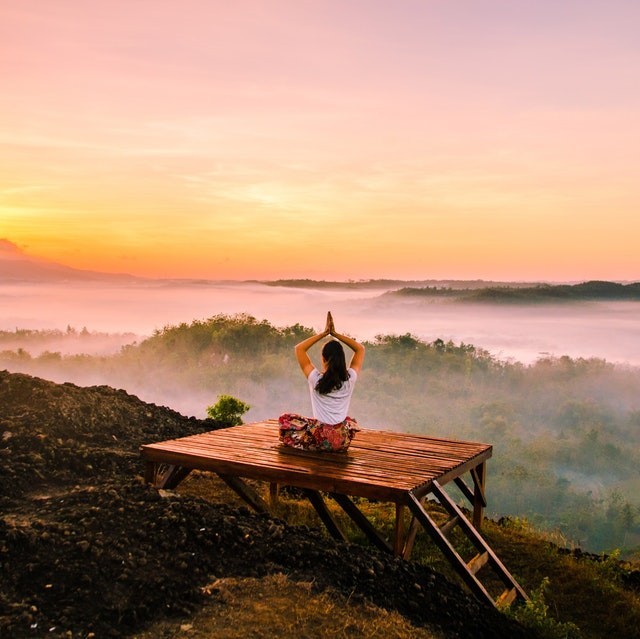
(362, 522)
(366, 439)
(507, 597)
(362, 470)
(261, 463)
(478, 562)
(378, 489)
(400, 458)
(303, 459)
(315, 461)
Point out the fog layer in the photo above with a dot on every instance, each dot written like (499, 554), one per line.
(608, 330)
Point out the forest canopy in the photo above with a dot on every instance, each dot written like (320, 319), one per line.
(586, 291)
(565, 432)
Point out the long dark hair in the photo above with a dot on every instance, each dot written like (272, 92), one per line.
(336, 373)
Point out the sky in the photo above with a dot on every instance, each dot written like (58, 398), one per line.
(331, 139)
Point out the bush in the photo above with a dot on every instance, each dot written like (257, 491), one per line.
(228, 410)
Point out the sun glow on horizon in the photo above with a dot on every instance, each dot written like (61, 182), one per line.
(281, 141)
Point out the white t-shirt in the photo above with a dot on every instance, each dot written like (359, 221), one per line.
(333, 407)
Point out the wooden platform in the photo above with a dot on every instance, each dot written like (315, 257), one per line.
(397, 467)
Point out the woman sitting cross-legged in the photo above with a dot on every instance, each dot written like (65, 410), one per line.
(330, 429)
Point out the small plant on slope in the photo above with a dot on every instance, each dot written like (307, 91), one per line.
(228, 410)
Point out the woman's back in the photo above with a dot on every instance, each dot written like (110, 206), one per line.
(332, 407)
(331, 428)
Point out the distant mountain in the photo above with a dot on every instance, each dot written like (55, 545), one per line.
(414, 285)
(17, 266)
(544, 293)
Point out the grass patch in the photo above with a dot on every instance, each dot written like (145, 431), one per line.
(277, 607)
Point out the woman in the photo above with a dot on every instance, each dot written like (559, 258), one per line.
(330, 429)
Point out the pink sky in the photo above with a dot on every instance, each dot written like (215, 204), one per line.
(335, 139)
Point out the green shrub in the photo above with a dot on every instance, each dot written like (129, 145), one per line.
(533, 615)
(228, 410)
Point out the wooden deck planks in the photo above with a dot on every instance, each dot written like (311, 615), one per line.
(382, 464)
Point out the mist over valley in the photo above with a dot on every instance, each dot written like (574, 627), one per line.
(607, 329)
(554, 387)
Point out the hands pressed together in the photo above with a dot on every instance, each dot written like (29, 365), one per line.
(329, 329)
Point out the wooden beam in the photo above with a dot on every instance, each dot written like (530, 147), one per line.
(479, 474)
(362, 522)
(411, 538)
(325, 514)
(274, 494)
(164, 475)
(245, 491)
(150, 472)
(465, 490)
(478, 483)
(449, 525)
(398, 538)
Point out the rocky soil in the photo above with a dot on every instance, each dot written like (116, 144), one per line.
(87, 550)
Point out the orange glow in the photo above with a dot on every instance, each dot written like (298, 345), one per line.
(286, 143)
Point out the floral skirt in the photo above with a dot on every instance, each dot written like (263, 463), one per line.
(307, 433)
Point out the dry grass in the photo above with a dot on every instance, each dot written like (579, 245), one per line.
(276, 607)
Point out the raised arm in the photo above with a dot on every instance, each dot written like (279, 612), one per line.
(358, 349)
(301, 349)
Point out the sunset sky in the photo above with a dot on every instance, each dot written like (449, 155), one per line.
(324, 138)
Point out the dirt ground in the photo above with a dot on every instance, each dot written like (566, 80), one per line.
(88, 550)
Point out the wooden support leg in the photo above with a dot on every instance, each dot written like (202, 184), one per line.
(174, 477)
(274, 493)
(414, 526)
(150, 472)
(479, 500)
(398, 543)
(325, 515)
(362, 522)
(411, 538)
(245, 492)
(465, 490)
(164, 475)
